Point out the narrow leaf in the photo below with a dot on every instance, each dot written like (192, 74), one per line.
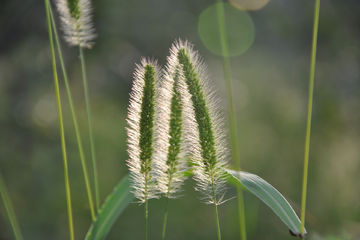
(272, 197)
(114, 205)
(10, 209)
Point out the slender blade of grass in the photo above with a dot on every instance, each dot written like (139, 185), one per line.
(309, 114)
(72, 109)
(10, 209)
(114, 205)
(232, 118)
(121, 197)
(88, 113)
(61, 125)
(271, 197)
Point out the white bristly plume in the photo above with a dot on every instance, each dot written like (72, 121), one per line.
(205, 136)
(171, 150)
(76, 22)
(143, 182)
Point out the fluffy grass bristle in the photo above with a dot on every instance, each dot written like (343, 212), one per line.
(76, 22)
(207, 139)
(141, 117)
(171, 150)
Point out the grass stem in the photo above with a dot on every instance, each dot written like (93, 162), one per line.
(72, 109)
(10, 209)
(232, 118)
(165, 216)
(216, 215)
(146, 214)
(61, 125)
(309, 113)
(88, 112)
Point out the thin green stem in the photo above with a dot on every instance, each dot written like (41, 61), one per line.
(88, 112)
(146, 212)
(72, 109)
(309, 113)
(232, 118)
(166, 211)
(61, 125)
(165, 218)
(10, 209)
(217, 221)
(216, 214)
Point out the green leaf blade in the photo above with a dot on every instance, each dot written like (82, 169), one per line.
(114, 205)
(271, 197)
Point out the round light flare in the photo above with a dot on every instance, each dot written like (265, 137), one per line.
(239, 28)
(45, 111)
(249, 5)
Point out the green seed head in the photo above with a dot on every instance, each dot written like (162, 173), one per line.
(147, 119)
(171, 152)
(141, 120)
(74, 9)
(207, 139)
(75, 16)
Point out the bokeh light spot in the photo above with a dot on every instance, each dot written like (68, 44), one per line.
(45, 111)
(249, 5)
(239, 27)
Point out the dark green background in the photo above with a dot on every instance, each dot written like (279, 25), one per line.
(270, 88)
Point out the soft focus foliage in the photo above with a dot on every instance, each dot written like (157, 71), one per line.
(270, 87)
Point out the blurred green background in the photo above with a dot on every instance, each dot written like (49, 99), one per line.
(270, 84)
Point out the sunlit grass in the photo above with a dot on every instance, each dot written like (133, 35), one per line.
(232, 119)
(233, 132)
(10, 209)
(309, 113)
(61, 124)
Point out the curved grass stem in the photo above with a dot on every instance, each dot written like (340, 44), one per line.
(10, 209)
(88, 112)
(232, 118)
(61, 125)
(72, 109)
(309, 113)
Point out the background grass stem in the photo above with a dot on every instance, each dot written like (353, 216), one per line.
(309, 113)
(10, 209)
(88, 112)
(232, 118)
(72, 109)
(61, 125)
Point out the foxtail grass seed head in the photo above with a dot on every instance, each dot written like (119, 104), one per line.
(142, 113)
(170, 148)
(76, 22)
(207, 138)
